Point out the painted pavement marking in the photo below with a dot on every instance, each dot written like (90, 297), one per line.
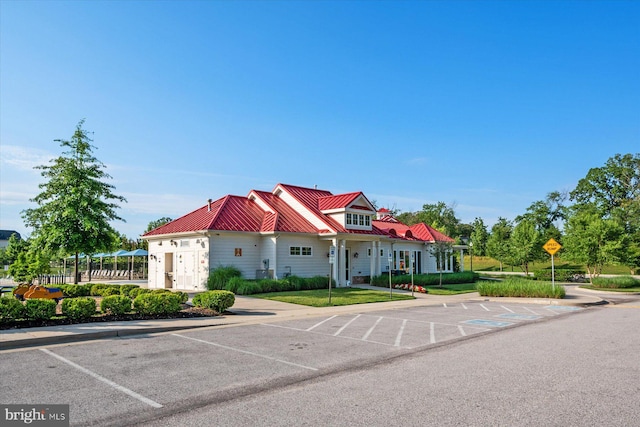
(462, 332)
(370, 331)
(530, 311)
(484, 322)
(517, 316)
(245, 352)
(339, 331)
(486, 309)
(103, 379)
(464, 306)
(562, 308)
(399, 336)
(320, 323)
(508, 309)
(432, 333)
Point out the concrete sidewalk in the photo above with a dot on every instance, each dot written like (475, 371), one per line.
(247, 310)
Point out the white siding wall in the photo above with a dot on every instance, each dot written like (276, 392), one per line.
(303, 266)
(222, 252)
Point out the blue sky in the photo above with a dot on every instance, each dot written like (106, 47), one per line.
(487, 106)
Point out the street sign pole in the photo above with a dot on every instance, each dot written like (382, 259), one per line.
(553, 276)
(332, 260)
(552, 247)
(412, 264)
(390, 259)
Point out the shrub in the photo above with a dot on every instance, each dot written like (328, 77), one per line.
(184, 297)
(10, 309)
(248, 288)
(619, 282)
(157, 304)
(111, 290)
(425, 280)
(220, 276)
(520, 287)
(96, 290)
(217, 300)
(560, 275)
(138, 291)
(116, 305)
(79, 308)
(126, 289)
(40, 309)
(160, 291)
(75, 291)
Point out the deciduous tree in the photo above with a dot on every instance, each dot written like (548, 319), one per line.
(75, 204)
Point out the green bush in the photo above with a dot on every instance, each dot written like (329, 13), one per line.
(220, 276)
(157, 304)
(112, 290)
(133, 293)
(426, 280)
(184, 297)
(96, 290)
(520, 287)
(618, 282)
(10, 309)
(75, 291)
(116, 305)
(40, 309)
(217, 300)
(233, 284)
(160, 291)
(249, 288)
(79, 308)
(126, 289)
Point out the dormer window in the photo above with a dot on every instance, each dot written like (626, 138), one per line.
(357, 220)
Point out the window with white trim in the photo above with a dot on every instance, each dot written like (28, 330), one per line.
(300, 251)
(349, 221)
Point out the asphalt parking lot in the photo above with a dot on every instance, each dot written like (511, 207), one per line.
(125, 380)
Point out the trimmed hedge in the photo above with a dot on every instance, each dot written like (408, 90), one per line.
(11, 309)
(218, 300)
(618, 282)
(133, 293)
(520, 287)
(75, 291)
(116, 305)
(40, 309)
(126, 289)
(425, 280)
(79, 308)
(240, 286)
(157, 304)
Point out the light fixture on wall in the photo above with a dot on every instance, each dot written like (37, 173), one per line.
(160, 244)
(355, 255)
(197, 241)
(173, 242)
(152, 256)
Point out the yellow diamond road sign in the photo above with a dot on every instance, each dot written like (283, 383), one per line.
(552, 246)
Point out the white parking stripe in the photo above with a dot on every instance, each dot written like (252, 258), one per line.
(432, 333)
(482, 305)
(508, 309)
(464, 306)
(365, 336)
(345, 326)
(531, 311)
(444, 304)
(103, 379)
(318, 324)
(245, 352)
(399, 336)
(462, 332)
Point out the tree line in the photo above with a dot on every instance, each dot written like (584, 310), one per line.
(597, 223)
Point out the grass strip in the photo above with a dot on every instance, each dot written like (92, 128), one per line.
(520, 288)
(339, 296)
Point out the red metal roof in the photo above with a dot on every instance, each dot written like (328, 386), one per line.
(336, 202)
(244, 214)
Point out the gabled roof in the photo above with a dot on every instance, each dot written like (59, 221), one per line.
(265, 212)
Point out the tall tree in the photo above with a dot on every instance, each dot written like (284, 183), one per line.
(614, 191)
(525, 244)
(498, 241)
(75, 205)
(439, 215)
(479, 237)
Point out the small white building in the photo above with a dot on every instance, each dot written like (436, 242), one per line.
(290, 231)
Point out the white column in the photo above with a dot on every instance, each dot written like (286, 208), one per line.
(372, 264)
(342, 258)
(461, 259)
(336, 269)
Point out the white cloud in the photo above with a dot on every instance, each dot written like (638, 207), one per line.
(23, 158)
(173, 205)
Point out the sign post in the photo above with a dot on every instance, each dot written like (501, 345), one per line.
(332, 260)
(552, 247)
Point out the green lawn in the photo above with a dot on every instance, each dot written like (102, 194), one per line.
(490, 264)
(339, 296)
(462, 288)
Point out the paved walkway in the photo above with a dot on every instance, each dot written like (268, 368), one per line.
(247, 310)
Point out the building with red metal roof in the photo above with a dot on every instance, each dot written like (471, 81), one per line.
(290, 230)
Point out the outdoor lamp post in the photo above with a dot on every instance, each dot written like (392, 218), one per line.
(471, 253)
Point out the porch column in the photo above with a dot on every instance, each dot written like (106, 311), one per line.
(461, 259)
(336, 263)
(342, 264)
(372, 267)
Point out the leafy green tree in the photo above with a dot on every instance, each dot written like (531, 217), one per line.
(158, 223)
(498, 241)
(438, 215)
(614, 191)
(29, 263)
(441, 251)
(15, 247)
(479, 237)
(592, 240)
(524, 243)
(75, 204)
